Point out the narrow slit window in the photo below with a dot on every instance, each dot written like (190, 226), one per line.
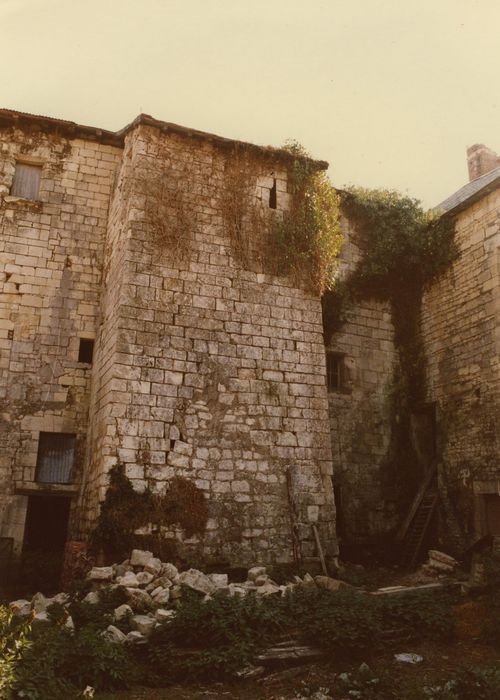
(273, 196)
(86, 350)
(335, 373)
(56, 455)
(26, 183)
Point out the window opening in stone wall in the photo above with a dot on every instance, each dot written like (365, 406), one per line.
(273, 196)
(26, 183)
(86, 350)
(56, 454)
(335, 370)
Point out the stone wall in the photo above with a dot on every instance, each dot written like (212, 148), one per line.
(360, 411)
(461, 321)
(51, 254)
(204, 366)
(208, 370)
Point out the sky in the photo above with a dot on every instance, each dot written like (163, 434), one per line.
(389, 92)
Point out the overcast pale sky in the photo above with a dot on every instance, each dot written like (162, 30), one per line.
(390, 92)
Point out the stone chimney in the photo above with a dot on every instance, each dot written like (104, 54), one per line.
(481, 160)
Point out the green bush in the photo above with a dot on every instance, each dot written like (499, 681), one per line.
(14, 641)
(46, 660)
(215, 637)
(345, 621)
(422, 615)
(98, 615)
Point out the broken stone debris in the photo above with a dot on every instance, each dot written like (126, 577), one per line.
(154, 591)
(409, 658)
(440, 563)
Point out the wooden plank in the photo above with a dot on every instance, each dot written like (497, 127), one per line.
(320, 549)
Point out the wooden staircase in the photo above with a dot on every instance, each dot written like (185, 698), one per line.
(413, 532)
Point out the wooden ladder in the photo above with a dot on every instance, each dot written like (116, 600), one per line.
(418, 528)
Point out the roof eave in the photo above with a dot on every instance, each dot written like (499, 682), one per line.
(472, 199)
(117, 138)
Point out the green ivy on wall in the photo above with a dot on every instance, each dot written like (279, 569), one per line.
(403, 249)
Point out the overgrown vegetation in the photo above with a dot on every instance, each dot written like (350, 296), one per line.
(205, 639)
(48, 660)
(167, 198)
(403, 249)
(214, 639)
(125, 510)
(302, 240)
(306, 241)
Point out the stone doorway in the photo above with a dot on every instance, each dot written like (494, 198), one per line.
(45, 536)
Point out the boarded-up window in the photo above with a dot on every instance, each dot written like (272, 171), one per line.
(56, 454)
(26, 181)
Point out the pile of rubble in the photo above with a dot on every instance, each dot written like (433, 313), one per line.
(154, 590)
(439, 564)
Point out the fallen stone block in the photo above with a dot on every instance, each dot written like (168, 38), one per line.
(100, 573)
(136, 637)
(162, 615)
(170, 571)
(21, 607)
(268, 589)
(130, 580)
(237, 590)
(122, 611)
(140, 557)
(143, 624)
(40, 603)
(92, 598)
(144, 578)
(138, 598)
(113, 634)
(441, 562)
(219, 580)
(256, 571)
(153, 566)
(162, 596)
(196, 581)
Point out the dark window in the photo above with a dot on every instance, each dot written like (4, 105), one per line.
(56, 454)
(335, 372)
(86, 350)
(273, 196)
(26, 181)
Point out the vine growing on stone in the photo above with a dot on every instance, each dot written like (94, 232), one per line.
(300, 242)
(403, 249)
(125, 510)
(307, 239)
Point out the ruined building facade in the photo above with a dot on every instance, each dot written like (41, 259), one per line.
(166, 348)
(121, 342)
(456, 430)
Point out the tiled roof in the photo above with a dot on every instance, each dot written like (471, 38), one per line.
(471, 192)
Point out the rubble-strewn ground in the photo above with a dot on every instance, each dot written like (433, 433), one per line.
(317, 681)
(166, 620)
